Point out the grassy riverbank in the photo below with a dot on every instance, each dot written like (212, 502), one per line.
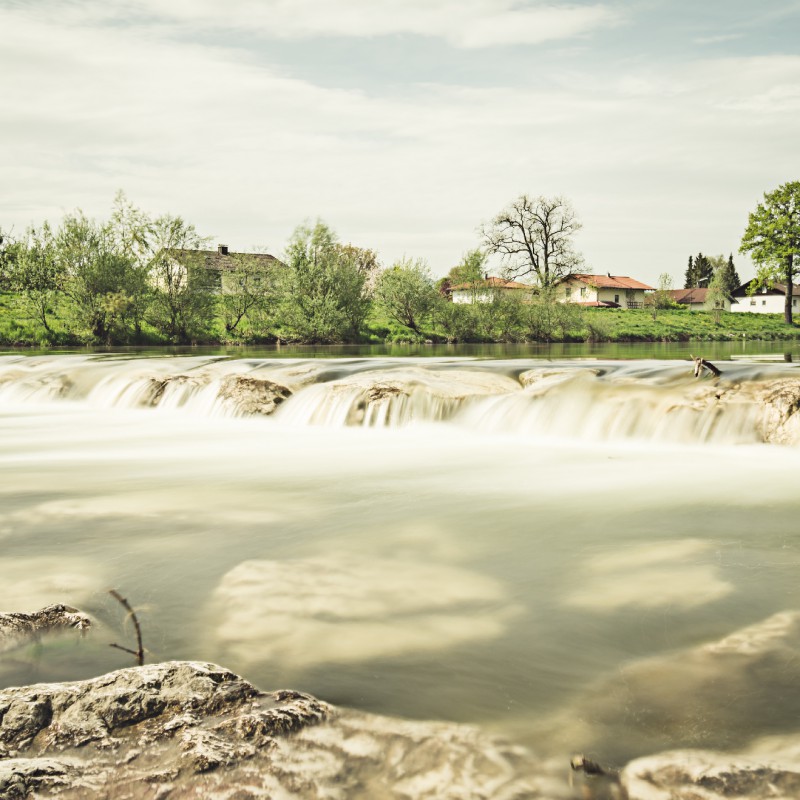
(465, 324)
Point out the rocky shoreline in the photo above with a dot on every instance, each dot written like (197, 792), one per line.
(187, 729)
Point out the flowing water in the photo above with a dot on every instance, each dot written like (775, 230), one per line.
(543, 548)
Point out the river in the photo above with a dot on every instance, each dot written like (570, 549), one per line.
(543, 547)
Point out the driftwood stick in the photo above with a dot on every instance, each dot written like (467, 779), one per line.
(700, 364)
(139, 654)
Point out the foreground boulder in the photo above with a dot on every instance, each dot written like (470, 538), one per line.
(191, 730)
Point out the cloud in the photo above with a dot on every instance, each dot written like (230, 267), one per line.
(718, 39)
(246, 151)
(462, 23)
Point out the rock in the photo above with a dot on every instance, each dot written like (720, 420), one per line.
(190, 730)
(394, 397)
(18, 628)
(721, 695)
(249, 395)
(705, 775)
(348, 609)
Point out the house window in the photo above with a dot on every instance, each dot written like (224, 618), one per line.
(794, 301)
(616, 299)
(583, 291)
(752, 302)
(763, 302)
(567, 292)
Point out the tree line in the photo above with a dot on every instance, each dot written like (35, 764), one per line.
(138, 279)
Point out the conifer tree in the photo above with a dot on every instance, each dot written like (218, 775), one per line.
(703, 271)
(688, 278)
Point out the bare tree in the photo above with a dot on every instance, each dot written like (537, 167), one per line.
(533, 236)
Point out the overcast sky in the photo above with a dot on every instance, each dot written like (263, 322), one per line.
(404, 124)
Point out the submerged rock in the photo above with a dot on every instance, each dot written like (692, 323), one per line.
(17, 628)
(720, 694)
(351, 609)
(191, 730)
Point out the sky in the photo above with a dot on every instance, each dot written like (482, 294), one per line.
(405, 124)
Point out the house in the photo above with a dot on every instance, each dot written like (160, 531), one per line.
(222, 270)
(486, 290)
(766, 300)
(610, 291)
(695, 299)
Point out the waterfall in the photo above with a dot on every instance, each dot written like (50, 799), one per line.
(584, 400)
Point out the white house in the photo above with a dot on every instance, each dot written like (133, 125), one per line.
(696, 299)
(766, 300)
(611, 291)
(486, 290)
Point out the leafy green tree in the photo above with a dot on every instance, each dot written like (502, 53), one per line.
(725, 271)
(323, 288)
(101, 280)
(182, 304)
(8, 249)
(772, 238)
(661, 298)
(407, 293)
(37, 273)
(717, 295)
(535, 236)
(248, 293)
(470, 269)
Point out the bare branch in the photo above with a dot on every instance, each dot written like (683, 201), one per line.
(139, 654)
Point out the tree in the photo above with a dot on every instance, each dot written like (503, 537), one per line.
(182, 303)
(716, 296)
(323, 287)
(690, 278)
(247, 291)
(725, 271)
(36, 272)
(407, 293)
(703, 271)
(534, 236)
(470, 269)
(772, 238)
(102, 279)
(661, 298)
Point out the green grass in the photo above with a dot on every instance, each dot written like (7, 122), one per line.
(679, 325)
(18, 329)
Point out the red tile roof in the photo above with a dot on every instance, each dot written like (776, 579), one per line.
(608, 281)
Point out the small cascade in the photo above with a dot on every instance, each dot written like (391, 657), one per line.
(593, 401)
(585, 408)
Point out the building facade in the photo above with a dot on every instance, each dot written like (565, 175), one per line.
(610, 291)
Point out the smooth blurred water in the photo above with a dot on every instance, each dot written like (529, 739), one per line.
(522, 568)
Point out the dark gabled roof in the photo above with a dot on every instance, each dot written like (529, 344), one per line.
(222, 260)
(607, 281)
(688, 296)
(776, 288)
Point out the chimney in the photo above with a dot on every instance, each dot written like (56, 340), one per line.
(222, 249)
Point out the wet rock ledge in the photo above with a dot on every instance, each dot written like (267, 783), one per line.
(196, 730)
